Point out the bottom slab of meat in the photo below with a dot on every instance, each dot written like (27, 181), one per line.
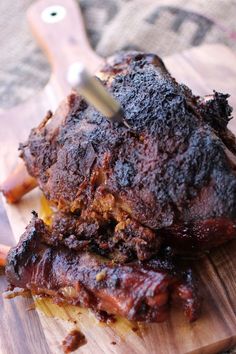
(140, 291)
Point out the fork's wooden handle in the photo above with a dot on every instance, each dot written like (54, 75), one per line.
(59, 28)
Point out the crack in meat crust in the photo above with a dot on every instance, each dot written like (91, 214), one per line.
(85, 279)
(124, 241)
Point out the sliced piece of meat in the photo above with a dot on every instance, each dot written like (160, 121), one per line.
(137, 291)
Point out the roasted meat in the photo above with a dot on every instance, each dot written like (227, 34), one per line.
(138, 291)
(128, 194)
(173, 173)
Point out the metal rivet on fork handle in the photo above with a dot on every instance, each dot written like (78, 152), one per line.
(53, 14)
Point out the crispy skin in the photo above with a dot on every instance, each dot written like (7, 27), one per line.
(172, 173)
(138, 291)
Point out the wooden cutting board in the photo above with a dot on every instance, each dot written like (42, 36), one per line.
(22, 331)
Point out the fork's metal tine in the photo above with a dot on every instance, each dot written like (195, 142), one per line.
(95, 93)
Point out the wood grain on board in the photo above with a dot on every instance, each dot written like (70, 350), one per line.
(202, 69)
(21, 329)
